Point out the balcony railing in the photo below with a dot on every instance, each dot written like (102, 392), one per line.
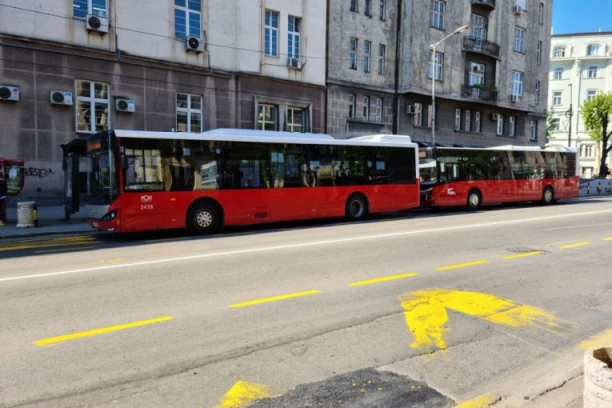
(478, 93)
(479, 45)
(488, 3)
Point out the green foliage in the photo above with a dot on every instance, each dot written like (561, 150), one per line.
(597, 115)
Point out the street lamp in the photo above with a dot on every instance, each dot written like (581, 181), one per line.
(433, 80)
(570, 114)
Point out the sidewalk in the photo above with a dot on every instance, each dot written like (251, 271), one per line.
(50, 222)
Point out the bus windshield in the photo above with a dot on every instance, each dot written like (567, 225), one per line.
(103, 184)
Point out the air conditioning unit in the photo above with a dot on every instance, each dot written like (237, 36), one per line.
(514, 98)
(518, 10)
(495, 117)
(295, 63)
(97, 24)
(125, 105)
(194, 44)
(61, 98)
(477, 68)
(9, 93)
(410, 110)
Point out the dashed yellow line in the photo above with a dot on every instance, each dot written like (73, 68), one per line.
(274, 299)
(482, 401)
(383, 279)
(523, 255)
(462, 265)
(576, 245)
(104, 330)
(608, 239)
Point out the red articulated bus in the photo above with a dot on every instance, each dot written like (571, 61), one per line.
(143, 181)
(455, 176)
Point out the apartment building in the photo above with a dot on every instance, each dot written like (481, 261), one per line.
(580, 68)
(75, 67)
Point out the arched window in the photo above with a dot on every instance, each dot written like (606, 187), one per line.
(559, 52)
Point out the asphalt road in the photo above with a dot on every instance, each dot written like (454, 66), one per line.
(495, 305)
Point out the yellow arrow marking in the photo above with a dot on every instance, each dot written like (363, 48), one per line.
(243, 393)
(426, 315)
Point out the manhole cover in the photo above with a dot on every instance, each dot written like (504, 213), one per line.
(526, 250)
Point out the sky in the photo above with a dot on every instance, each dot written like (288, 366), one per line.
(574, 16)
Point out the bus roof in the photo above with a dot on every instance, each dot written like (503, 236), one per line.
(246, 135)
(519, 148)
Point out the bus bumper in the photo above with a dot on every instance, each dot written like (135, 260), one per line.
(108, 223)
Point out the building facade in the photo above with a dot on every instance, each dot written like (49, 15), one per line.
(580, 68)
(74, 67)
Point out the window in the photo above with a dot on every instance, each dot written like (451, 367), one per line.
(477, 72)
(517, 83)
(558, 52)
(271, 34)
(429, 116)
(556, 124)
(591, 93)
(367, 54)
(593, 71)
(519, 40)
(187, 18)
(418, 114)
(537, 92)
(382, 51)
(593, 50)
(557, 98)
(352, 107)
(539, 53)
(436, 14)
(541, 14)
(500, 125)
(558, 73)
(379, 109)
(437, 66)
(353, 43)
(477, 125)
(534, 131)
(366, 107)
(467, 123)
(293, 30)
(383, 10)
(480, 25)
(586, 150)
(266, 117)
(188, 113)
(294, 120)
(354, 6)
(511, 126)
(457, 119)
(92, 106)
(368, 8)
(81, 8)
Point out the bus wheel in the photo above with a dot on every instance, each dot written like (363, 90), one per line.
(474, 201)
(356, 207)
(203, 218)
(548, 196)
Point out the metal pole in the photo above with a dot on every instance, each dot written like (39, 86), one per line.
(571, 114)
(433, 96)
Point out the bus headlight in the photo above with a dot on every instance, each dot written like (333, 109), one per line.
(110, 216)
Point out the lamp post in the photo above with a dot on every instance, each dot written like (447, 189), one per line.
(570, 114)
(433, 80)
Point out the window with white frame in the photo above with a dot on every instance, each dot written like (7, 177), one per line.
(429, 116)
(436, 14)
(81, 8)
(266, 117)
(187, 18)
(418, 114)
(559, 52)
(271, 33)
(539, 53)
(556, 124)
(480, 27)
(591, 93)
(366, 108)
(534, 131)
(457, 119)
(353, 44)
(517, 83)
(92, 106)
(435, 67)
(586, 150)
(558, 73)
(293, 42)
(537, 92)
(379, 109)
(477, 124)
(592, 73)
(593, 50)
(557, 98)
(382, 52)
(368, 8)
(383, 10)
(367, 56)
(467, 122)
(519, 39)
(188, 113)
(477, 73)
(295, 117)
(500, 125)
(511, 126)
(352, 106)
(354, 6)
(541, 14)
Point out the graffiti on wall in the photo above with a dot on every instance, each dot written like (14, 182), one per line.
(38, 172)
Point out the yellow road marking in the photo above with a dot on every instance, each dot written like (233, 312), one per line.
(482, 401)
(523, 255)
(47, 244)
(462, 265)
(579, 244)
(383, 279)
(274, 299)
(243, 393)
(104, 330)
(427, 318)
(607, 239)
(103, 261)
(64, 249)
(601, 339)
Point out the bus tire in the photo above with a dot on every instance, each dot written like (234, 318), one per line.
(204, 218)
(548, 196)
(474, 200)
(357, 207)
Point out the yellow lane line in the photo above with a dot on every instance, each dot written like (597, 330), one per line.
(383, 279)
(523, 255)
(50, 245)
(48, 251)
(104, 330)
(274, 299)
(608, 239)
(579, 244)
(462, 265)
(482, 401)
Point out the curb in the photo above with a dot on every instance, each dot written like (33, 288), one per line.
(45, 234)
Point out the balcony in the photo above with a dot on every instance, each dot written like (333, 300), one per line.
(481, 46)
(478, 93)
(490, 4)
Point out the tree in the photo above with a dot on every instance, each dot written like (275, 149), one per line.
(551, 125)
(598, 121)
